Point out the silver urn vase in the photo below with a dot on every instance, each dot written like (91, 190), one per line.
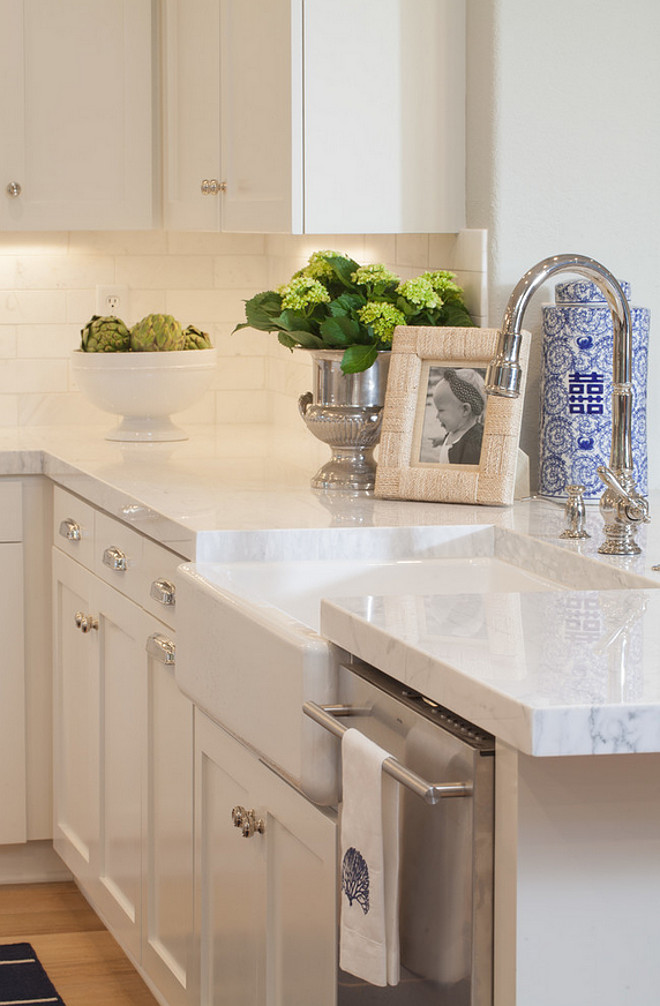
(345, 411)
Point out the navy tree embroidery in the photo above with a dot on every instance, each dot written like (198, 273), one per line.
(355, 879)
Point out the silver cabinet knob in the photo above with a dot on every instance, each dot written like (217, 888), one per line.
(211, 187)
(163, 591)
(14, 190)
(162, 649)
(85, 622)
(247, 821)
(115, 558)
(70, 529)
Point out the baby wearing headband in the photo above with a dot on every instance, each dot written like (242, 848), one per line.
(460, 399)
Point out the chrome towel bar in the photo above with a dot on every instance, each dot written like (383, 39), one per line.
(429, 791)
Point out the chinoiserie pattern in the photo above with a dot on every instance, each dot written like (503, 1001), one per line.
(576, 389)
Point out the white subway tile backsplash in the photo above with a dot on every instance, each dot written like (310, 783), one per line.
(45, 342)
(18, 376)
(182, 243)
(48, 292)
(118, 243)
(240, 272)
(411, 249)
(165, 272)
(63, 272)
(240, 373)
(80, 306)
(242, 407)
(8, 341)
(9, 410)
(32, 307)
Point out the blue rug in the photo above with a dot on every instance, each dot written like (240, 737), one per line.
(23, 980)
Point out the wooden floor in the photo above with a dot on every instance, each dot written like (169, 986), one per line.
(83, 961)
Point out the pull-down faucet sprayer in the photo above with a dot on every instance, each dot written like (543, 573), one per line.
(621, 506)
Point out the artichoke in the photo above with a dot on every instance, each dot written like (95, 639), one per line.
(157, 333)
(105, 335)
(196, 339)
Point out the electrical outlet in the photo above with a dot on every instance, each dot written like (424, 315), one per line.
(112, 300)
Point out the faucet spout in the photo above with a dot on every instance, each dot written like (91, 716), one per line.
(622, 507)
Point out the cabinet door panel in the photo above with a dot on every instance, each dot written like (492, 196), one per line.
(261, 114)
(266, 917)
(13, 819)
(191, 84)
(122, 714)
(75, 722)
(231, 884)
(168, 911)
(301, 921)
(75, 125)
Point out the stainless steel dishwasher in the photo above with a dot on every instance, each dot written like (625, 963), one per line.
(446, 768)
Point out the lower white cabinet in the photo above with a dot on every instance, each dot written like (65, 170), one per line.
(123, 748)
(265, 904)
(13, 747)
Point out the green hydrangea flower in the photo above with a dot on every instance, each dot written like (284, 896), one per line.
(374, 275)
(318, 266)
(420, 293)
(302, 293)
(442, 282)
(383, 319)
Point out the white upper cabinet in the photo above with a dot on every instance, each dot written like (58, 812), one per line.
(76, 115)
(333, 116)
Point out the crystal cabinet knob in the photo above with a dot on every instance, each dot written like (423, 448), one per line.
(14, 190)
(247, 821)
(162, 649)
(70, 529)
(85, 622)
(115, 558)
(163, 591)
(211, 187)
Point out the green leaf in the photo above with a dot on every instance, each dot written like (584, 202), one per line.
(300, 338)
(292, 321)
(456, 315)
(358, 358)
(262, 310)
(286, 340)
(340, 331)
(343, 269)
(346, 303)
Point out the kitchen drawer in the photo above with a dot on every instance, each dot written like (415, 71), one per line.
(157, 576)
(118, 555)
(73, 526)
(11, 511)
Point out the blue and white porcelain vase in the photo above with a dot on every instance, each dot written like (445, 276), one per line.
(576, 389)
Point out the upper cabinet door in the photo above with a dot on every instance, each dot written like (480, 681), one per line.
(191, 124)
(261, 88)
(76, 115)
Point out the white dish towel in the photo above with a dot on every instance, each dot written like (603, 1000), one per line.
(369, 924)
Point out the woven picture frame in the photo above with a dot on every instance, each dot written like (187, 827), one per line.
(419, 357)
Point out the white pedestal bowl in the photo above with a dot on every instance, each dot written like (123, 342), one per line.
(144, 388)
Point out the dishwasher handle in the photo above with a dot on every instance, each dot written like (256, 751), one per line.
(429, 791)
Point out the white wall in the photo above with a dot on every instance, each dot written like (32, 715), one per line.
(564, 152)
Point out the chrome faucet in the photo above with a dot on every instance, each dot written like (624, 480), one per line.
(621, 506)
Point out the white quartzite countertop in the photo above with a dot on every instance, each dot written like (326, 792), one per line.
(558, 673)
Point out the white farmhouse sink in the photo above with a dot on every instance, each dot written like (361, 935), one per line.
(248, 649)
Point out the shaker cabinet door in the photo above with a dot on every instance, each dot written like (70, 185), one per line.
(75, 119)
(265, 904)
(191, 93)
